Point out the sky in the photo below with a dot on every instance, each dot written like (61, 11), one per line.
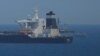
(69, 11)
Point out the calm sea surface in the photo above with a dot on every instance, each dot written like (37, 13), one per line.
(81, 46)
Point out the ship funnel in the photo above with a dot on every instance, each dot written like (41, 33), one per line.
(51, 21)
(51, 24)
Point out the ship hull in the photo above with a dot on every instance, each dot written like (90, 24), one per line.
(26, 39)
(20, 38)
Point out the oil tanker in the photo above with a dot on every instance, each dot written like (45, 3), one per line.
(37, 30)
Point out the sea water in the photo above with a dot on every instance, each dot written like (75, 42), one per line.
(88, 45)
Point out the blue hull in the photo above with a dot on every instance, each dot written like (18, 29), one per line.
(21, 38)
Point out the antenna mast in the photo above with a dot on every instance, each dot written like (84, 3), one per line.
(36, 14)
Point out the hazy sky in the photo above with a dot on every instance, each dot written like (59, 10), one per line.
(69, 11)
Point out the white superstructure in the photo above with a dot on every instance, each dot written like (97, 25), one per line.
(37, 27)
